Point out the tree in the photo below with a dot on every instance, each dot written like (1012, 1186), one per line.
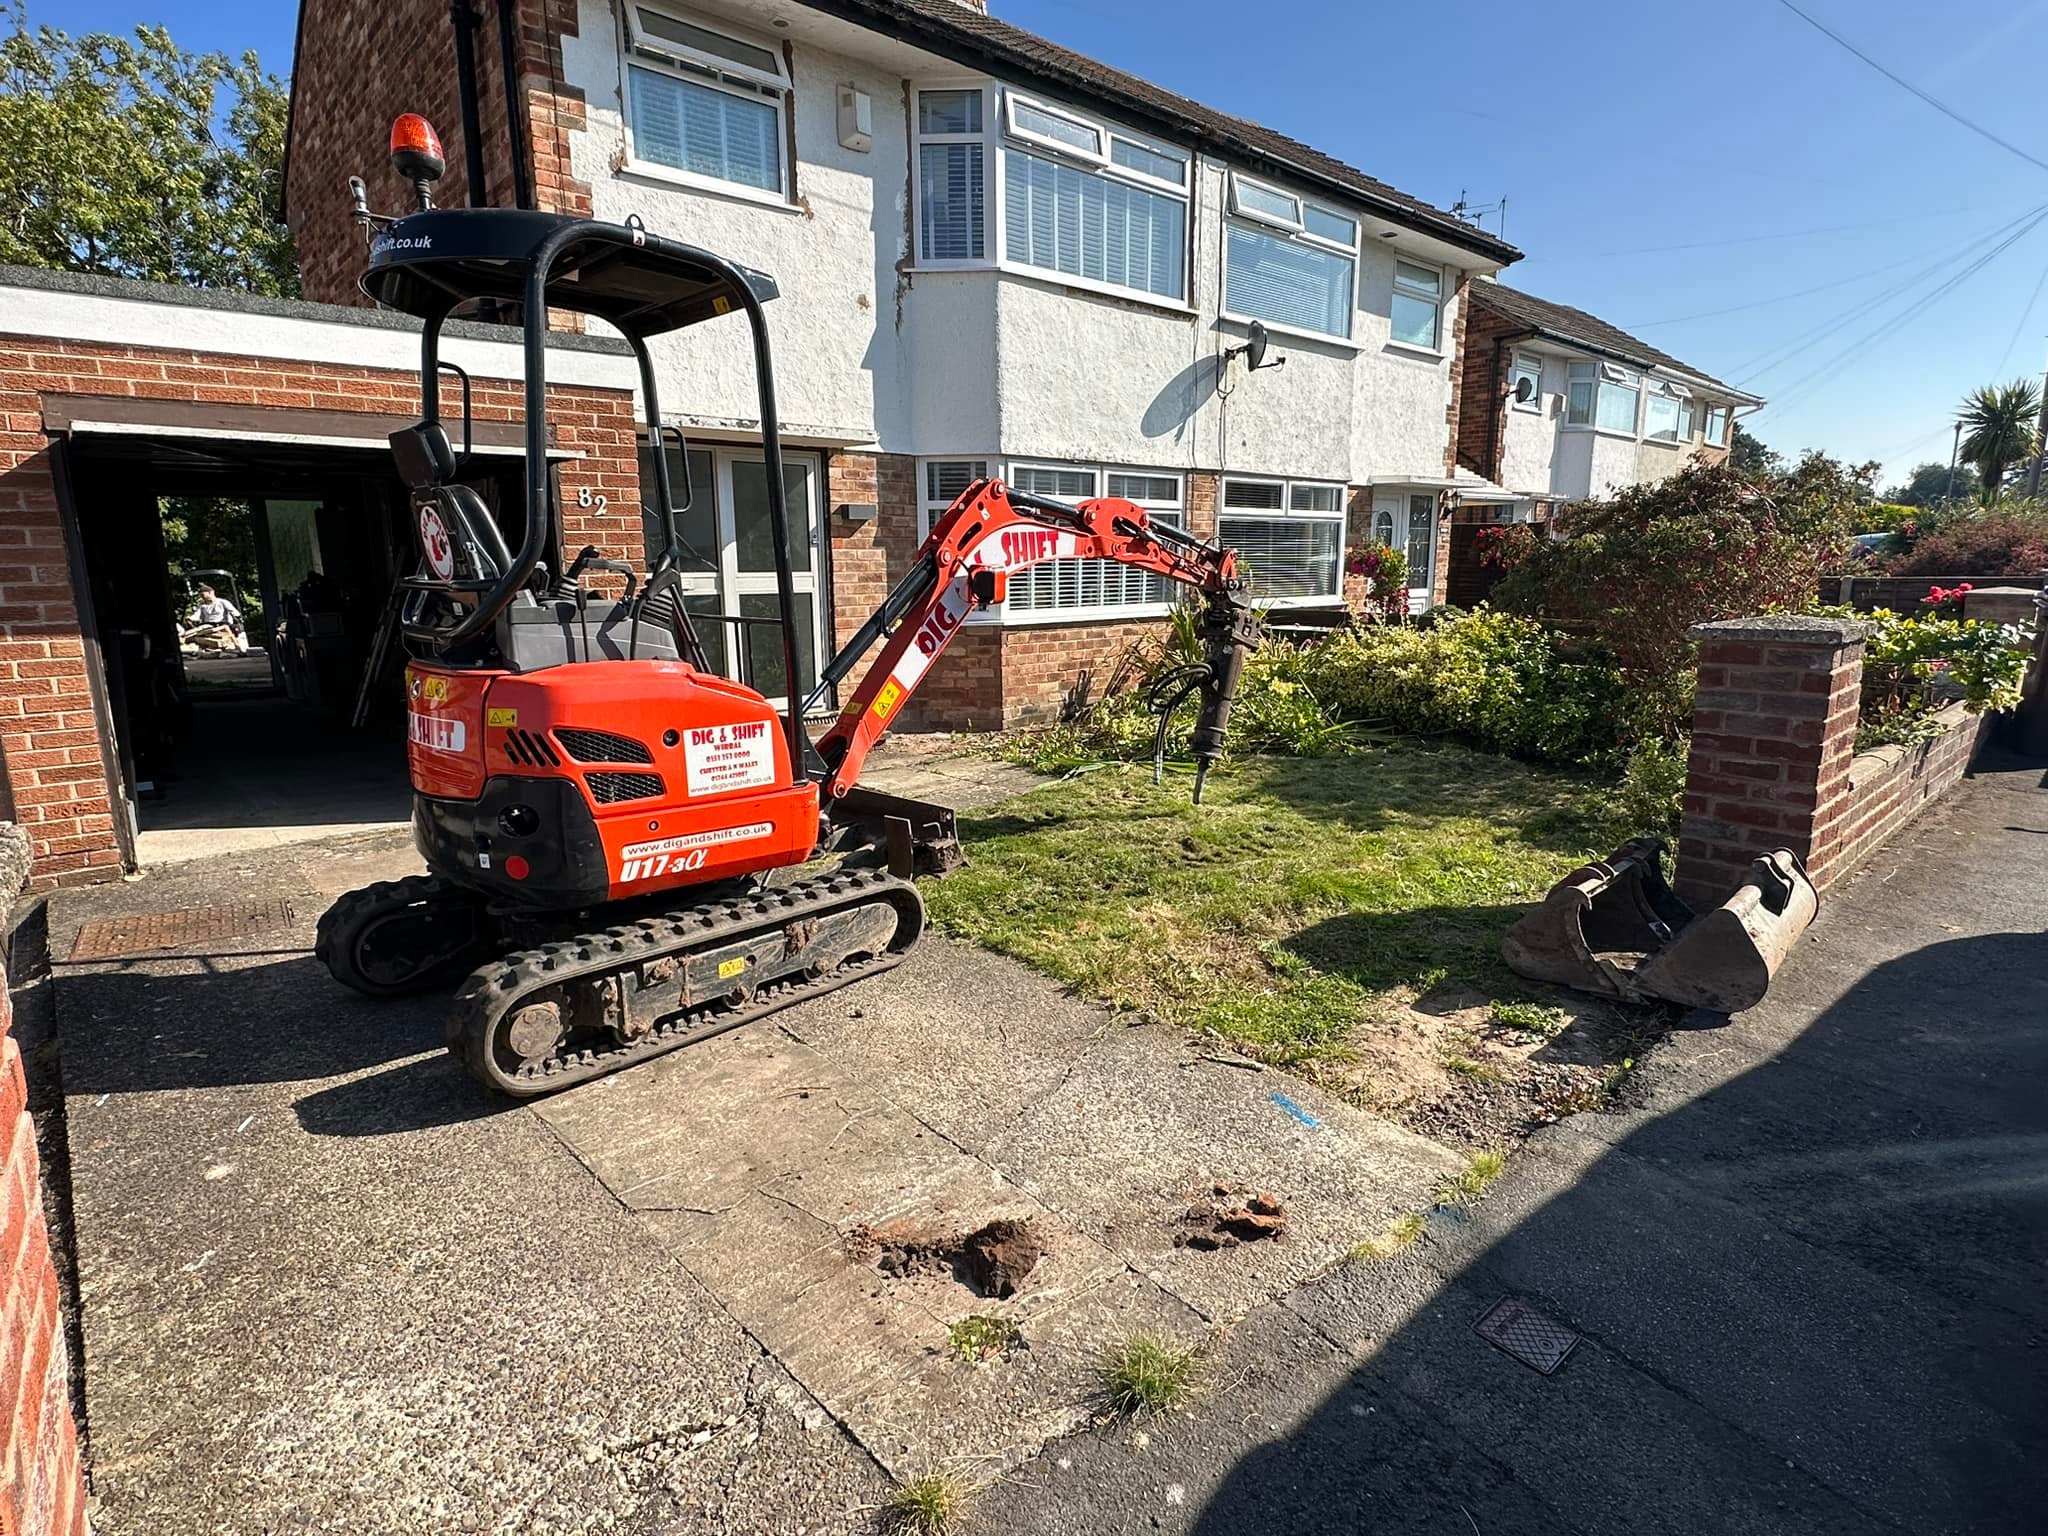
(134, 158)
(1998, 430)
(1751, 457)
(1928, 485)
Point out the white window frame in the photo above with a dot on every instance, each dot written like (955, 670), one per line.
(1676, 394)
(1441, 299)
(1521, 363)
(991, 205)
(993, 466)
(1286, 512)
(1012, 100)
(1620, 378)
(1267, 223)
(996, 222)
(710, 71)
(1724, 415)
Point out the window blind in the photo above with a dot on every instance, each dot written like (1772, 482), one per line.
(1092, 226)
(1272, 278)
(1287, 556)
(711, 132)
(949, 201)
(1054, 585)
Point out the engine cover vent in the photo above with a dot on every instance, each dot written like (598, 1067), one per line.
(601, 746)
(611, 788)
(531, 751)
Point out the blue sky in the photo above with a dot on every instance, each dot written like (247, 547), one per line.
(1680, 164)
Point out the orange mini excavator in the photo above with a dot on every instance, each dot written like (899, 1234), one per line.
(612, 828)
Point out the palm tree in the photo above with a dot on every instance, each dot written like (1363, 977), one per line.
(1999, 422)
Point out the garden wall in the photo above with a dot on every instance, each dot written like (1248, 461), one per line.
(1774, 763)
(41, 1490)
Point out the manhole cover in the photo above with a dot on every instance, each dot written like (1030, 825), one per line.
(116, 937)
(1539, 1342)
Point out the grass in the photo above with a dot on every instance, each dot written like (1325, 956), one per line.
(1479, 1071)
(1401, 1231)
(1302, 897)
(925, 1506)
(1530, 1018)
(1147, 1375)
(980, 1336)
(1471, 1181)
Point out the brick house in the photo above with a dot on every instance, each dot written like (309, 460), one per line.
(997, 256)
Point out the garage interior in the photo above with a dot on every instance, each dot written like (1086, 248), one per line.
(283, 741)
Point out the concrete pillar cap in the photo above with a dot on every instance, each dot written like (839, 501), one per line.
(1785, 629)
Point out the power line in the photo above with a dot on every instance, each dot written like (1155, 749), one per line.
(1781, 234)
(1933, 101)
(1783, 298)
(2021, 324)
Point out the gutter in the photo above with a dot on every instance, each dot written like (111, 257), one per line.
(464, 20)
(896, 21)
(515, 116)
(1645, 365)
(291, 117)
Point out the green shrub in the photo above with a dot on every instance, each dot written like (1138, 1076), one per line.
(1653, 786)
(2010, 539)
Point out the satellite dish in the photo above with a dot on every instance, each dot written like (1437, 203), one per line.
(1525, 389)
(1255, 345)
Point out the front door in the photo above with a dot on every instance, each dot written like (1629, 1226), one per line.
(728, 568)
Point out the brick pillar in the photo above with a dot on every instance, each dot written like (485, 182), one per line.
(1773, 730)
(41, 1490)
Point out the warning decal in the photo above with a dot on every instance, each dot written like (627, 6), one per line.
(718, 758)
(886, 699)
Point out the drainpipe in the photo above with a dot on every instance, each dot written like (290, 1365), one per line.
(515, 117)
(465, 20)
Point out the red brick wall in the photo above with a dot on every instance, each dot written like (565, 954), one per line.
(1774, 763)
(342, 110)
(1476, 435)
(1460, 329)
(868, 558)
(41, 1490)
(51, 767)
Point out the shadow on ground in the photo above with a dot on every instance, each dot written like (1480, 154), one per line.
(1811, 1298)
(206, 1021)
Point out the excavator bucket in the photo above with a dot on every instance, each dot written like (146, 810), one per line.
(1615, 927)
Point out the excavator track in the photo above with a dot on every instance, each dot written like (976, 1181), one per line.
(570, 1010)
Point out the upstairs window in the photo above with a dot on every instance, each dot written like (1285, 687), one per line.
(1688, 420)
(705, 101)
(1578, 397)
(952, 186)
(1083, 199)
(1717, 426)
(1666, 414)
(1289, 261)
(1417, 311)
(1525, 384)
(1289, 535)
(1621, 393)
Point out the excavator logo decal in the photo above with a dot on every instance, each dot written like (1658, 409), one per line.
(933, 634)
(1026, 546)
(434, 541)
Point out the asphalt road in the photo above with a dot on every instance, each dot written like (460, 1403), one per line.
(1805, 1259)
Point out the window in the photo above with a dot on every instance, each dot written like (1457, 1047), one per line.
(1068, 586)
(1082, 199)
(1660, 419)
(952, 186)
(1527, 371)
(941, 485)
(1421, 542)
(1688, 421)
(1290, 538)
(1717, 426)
(1383, 525)
(1417, 311)
(705, 102)
(1620, 394)
(1578, 399)
(1288, 261)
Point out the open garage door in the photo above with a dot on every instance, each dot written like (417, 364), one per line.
(238, 563)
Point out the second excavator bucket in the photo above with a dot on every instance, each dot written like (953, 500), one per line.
(1614, 927)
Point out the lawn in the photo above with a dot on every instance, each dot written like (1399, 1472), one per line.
(1303, 899)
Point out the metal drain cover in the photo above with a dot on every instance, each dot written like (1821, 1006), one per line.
(1539, 1342)
(114, 938)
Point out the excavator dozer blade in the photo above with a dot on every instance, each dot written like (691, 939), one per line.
(1725, 959)
(1598, 923)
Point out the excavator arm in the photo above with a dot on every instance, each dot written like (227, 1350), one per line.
(989, 534)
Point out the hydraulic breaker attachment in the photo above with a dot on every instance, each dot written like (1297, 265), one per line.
(1615, 927)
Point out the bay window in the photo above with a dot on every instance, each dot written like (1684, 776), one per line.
(705, 101)
(1082, 199)
(1289, 536)
(1717, 426)
(1417, 311)
(1621, 392)
(1288, 261)
(952, 184)
(1688, 420)
(1660, 419)
(1578, 397)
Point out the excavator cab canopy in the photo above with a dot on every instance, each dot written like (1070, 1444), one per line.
(435, 262)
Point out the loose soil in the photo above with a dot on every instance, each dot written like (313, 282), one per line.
(1226, 1216)
(992, 1260)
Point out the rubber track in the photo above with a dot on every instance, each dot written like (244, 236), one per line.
(342, 918)
(494, 989)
